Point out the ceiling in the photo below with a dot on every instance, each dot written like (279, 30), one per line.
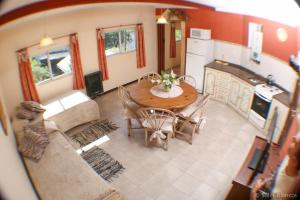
(283, 11)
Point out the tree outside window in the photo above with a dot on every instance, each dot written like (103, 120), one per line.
(51, 65)
(120, 41)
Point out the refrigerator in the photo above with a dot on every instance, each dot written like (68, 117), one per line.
(198, 54)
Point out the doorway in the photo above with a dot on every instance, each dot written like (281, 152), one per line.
(171, 56)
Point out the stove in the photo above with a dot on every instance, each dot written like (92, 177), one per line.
(263, 95)
(267, 91)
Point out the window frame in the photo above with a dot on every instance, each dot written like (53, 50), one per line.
(53, 78)
(125, 51)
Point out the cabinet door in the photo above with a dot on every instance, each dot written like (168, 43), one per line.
(223, 86)
(282, 116)
(246, 95)
(233, 98)
(210, 82)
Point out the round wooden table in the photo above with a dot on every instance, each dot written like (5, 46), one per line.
(141, 94)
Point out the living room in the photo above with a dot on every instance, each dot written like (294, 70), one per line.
(145, 171)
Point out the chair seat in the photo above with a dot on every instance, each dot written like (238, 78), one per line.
(167, 126)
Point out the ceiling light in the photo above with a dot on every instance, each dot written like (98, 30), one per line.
(46, 41)
(162, 20)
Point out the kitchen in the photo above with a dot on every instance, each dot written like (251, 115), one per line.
(248, 92)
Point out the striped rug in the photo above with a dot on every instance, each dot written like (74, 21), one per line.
(106, 166)
(93, 132)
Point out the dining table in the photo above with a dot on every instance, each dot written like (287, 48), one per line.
(142, 94)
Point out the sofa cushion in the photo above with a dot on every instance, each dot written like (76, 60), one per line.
(33, 106)
(23, 113)
(33, 144)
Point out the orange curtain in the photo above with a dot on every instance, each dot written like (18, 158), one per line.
(140, 46)
(101, 54)
(27, 81)
(172, 42)
(160, 47)
(78, 80)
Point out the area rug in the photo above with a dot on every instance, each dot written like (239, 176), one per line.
(106, 166)
(93, 132)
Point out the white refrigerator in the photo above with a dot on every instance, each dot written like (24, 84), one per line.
(198, 54)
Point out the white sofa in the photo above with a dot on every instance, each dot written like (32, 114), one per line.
(71, 109)
(61, 173)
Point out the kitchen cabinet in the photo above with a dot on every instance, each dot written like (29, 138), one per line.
(240, 96)
(223, 86)
(217, 84)
(234, 97)
(283, 111)
(210, 82)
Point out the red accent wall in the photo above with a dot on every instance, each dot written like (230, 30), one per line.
(234, 28)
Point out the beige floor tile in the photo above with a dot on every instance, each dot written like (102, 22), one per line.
(186, 183)
(204, 192)
(172, 194)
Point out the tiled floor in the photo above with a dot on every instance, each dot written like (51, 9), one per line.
(201, 171)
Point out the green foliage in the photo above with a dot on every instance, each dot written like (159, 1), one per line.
(39, 71)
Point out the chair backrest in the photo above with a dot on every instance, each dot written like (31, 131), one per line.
(124, 95)
(156, 117)
(188, 79)
(149, 76)
(201, 106)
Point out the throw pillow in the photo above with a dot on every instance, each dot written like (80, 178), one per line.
(33, 144)
(33, 106)
(23, 113)
(38, 127)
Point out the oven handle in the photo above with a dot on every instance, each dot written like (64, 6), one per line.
(262, 97)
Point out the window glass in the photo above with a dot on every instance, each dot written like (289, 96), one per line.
(120, 41)
(130, 39)
(51, 64)
(60, 62)
(40, 69)
(178, 35)
(112, 43)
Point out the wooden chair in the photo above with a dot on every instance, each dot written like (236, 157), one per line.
(188, 79)
(189, 120)
(130, 109)
(159, 125)
(149, 76)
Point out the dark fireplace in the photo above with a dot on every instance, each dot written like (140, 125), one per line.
(93, 83)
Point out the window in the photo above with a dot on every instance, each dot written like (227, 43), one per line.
(178, 35)
(51, 65)
(120, 41)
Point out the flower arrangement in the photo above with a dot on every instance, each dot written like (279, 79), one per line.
(167, 80)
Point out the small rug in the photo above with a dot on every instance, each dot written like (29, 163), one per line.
(106, 166)
(93, 132)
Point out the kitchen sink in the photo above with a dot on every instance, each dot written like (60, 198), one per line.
(253, 80)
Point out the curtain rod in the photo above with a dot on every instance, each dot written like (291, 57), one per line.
(122, 25)
(54, 38)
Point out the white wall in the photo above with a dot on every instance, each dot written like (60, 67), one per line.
(284, 75)
(122, 68)
(14, 182)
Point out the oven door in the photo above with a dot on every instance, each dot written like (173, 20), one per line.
(261, 105)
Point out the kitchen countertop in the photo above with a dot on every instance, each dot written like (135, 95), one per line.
(245, 75)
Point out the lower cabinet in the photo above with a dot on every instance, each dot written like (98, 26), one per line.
(283, 112)
(240, 96)
(217, 84)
